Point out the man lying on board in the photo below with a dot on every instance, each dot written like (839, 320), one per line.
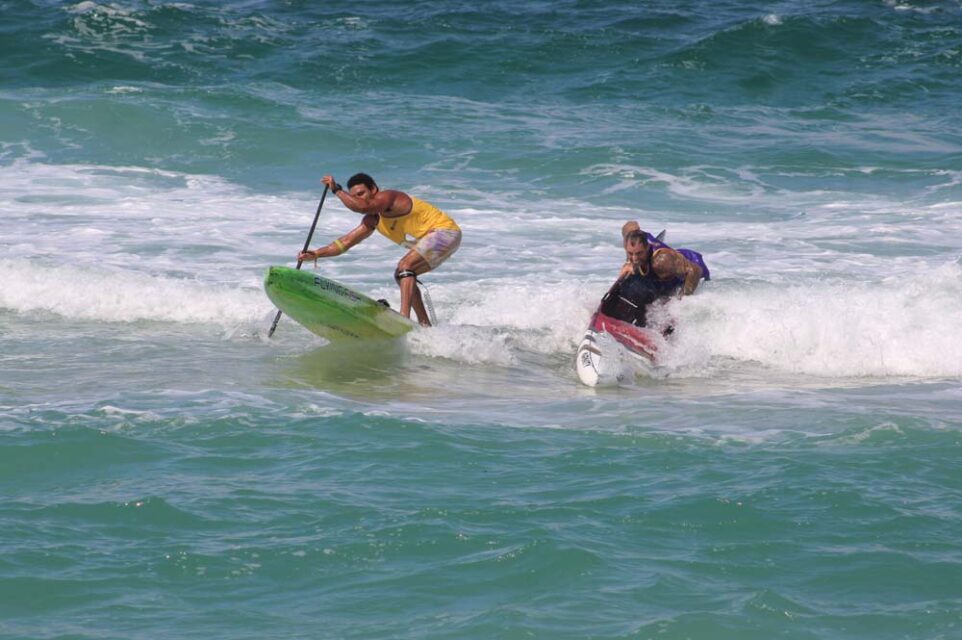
(653, 271)
(430, 235)
(664, 262)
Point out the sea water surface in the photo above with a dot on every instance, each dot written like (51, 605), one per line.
(790, 470)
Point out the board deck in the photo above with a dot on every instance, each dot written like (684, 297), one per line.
(610, 348)
(330, 309)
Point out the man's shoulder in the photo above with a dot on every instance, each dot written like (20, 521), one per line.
(396, 203)
(393, 194)
(663, 254)
(665, 261)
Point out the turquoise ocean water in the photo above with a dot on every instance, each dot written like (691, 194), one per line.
(791, 470)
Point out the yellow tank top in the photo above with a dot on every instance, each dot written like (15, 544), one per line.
(424, 217)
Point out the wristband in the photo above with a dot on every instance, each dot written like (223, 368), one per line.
(339, 244)
(335, 188)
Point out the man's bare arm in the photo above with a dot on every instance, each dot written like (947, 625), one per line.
(387, 203)
(345, 242)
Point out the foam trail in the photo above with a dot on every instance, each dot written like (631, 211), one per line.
(471, 345)
(498, 322)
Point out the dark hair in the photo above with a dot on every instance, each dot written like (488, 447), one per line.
(636, 236)
(361, 178)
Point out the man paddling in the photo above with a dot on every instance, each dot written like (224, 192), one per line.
(430, 235)
(653, 271)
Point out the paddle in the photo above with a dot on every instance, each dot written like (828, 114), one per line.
(307, 244)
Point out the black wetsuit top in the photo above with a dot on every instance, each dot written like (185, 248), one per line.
(628, 300)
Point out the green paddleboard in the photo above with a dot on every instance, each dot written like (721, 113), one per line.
(330, 309)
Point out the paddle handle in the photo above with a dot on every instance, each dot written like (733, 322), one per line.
(307, 245)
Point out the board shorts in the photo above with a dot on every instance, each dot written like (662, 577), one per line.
(437, 246)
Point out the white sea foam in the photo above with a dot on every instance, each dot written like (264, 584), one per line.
(893, 328)
(905, 6)
(117, 296)
(897, 327)
(853, 287)
(139, 219)
(471, 345)
(701, 183)
(123, 89)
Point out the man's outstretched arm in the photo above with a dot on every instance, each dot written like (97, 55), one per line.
(345, 242)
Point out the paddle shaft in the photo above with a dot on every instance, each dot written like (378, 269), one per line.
(307, 245)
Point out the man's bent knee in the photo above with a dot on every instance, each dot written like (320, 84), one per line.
(400, 274)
